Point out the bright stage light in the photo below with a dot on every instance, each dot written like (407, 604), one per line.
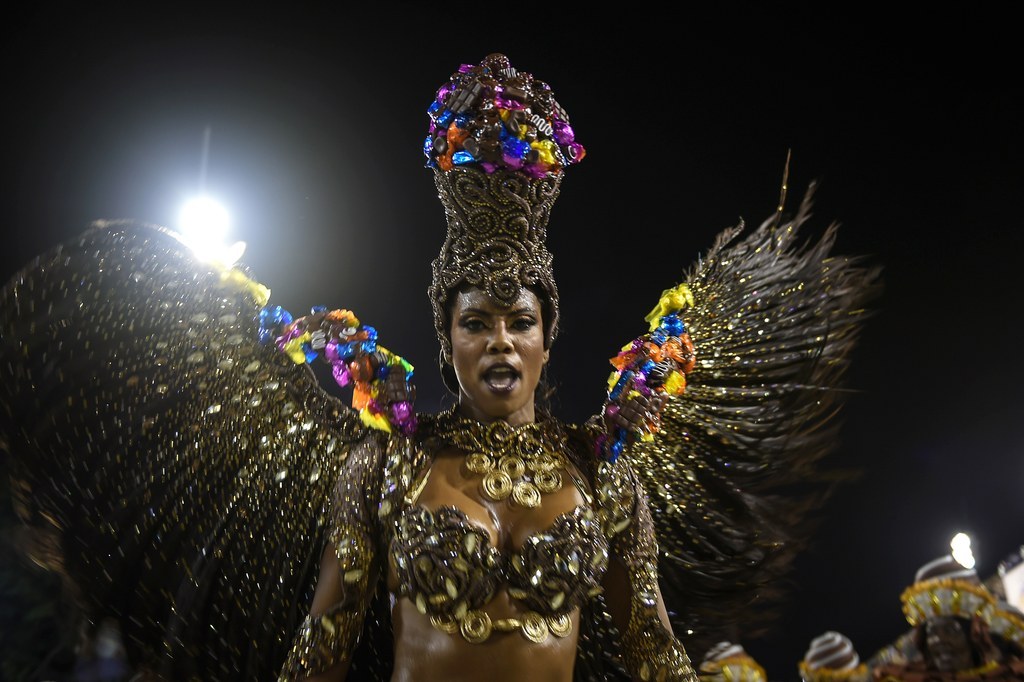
(961, 546)
(204, 225)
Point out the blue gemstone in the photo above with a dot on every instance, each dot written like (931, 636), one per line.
(310, 353)
(513, 146)
(445, 118)
(621, 384)
(318, 309)
(463, 157)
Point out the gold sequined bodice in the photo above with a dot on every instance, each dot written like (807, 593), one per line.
(447, 565)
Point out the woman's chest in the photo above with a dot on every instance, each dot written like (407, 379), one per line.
(449, 481)
(460, 537)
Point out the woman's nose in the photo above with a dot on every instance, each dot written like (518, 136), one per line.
(500, 341)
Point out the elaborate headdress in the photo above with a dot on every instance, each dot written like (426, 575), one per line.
(498, 142)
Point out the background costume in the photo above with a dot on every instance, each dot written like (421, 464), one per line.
(180, 474)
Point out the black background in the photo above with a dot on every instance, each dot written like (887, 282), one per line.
(911, 125)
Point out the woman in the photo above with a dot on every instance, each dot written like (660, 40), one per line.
(212, 479)
(509, 604)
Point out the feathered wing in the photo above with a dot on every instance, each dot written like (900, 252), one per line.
(731, 474)
(175, 471)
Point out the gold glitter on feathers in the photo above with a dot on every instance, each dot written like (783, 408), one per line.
(178, 470)
(775, 321)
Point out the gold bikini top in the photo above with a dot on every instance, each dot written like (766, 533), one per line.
(447, 565)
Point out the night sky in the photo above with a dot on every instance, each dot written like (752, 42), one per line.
(317, 121)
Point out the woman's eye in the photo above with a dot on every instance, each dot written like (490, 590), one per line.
(472, 324)
(524, 323)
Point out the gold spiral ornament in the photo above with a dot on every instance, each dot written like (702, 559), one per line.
(561, 625)
(513, 466)
(526, 494)
(497, 485)
(476, 627)
(479, 463)
(535, 628)
(445, 624)
(548, 481)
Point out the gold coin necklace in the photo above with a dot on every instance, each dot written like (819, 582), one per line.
(517, 462)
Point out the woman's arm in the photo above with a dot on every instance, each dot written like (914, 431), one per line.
(649, 648)
(324, 644)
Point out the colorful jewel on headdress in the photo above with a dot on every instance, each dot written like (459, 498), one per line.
(505, 114)
(355, 357)
(656, 362)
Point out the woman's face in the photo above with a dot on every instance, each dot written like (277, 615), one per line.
(498, 354)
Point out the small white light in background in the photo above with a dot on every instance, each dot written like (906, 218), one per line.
(961, 546)
(204, 225)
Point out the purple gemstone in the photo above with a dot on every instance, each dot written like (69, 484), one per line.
(466, 68)
(508, 103)
(341, 375)
(401, 411)
(443, 91)
(536, 170)
(488, 167)
(331, 351)
(563, 132)
(576, 152)
(512, 161)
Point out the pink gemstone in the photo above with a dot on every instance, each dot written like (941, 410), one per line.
(341, 374)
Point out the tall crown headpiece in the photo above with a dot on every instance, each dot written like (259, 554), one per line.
(498, 143)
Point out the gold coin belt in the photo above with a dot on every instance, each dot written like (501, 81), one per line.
(517, 462)
(477, 626)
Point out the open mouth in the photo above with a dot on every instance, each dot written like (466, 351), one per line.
(501, 378)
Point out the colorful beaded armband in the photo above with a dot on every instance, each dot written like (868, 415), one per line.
(656, 362)
(355, 357)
